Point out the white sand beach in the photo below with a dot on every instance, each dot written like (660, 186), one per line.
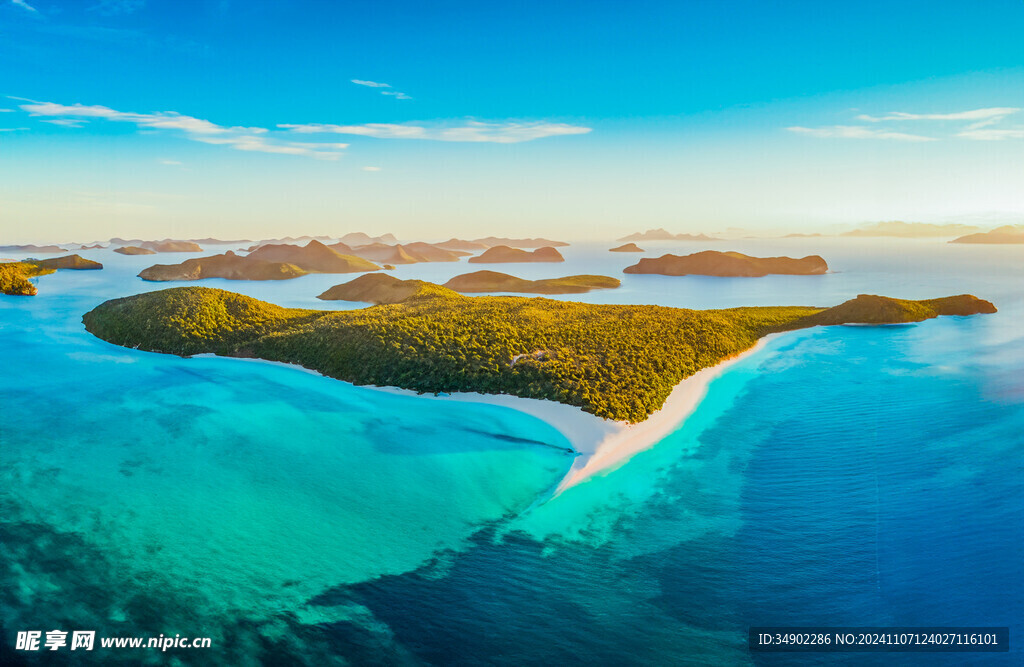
(603, 444)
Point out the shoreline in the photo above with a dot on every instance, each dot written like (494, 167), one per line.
(601, 445)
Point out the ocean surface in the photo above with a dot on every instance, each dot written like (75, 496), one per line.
(843, 476)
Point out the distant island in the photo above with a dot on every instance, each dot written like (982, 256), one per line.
(409, 253)
(910, 230)
(627, 247)
(663, 235)
(381, 288)
(288, 239)
(492, 241)
(314, 257)
(269, 262)
(492, 281)
(728, 264)
(459, 244)
(212, 241)
(359, 238)
(95, 246)
(617, 362)
(229, 266)
(1008, 234)
(169, 245)
(504, 254)
(73, 262)
(166, 245)
(134, 250)
(41, 249)
(14, 276)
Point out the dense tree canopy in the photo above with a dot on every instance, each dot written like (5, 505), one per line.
(615, 361)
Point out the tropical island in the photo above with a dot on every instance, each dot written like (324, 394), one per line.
(502, 254)
(14, 276)
(728, 264)
(381, 288)
(618, 362)
(493, 281)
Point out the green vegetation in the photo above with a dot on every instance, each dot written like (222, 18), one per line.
(617, 362)
(14, 277)
(492, 281)
(381, 288)
(872, 309)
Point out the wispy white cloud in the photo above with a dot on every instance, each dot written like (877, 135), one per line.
(856, 132)
(195, 129)
(12, 129)
(6, 110)
(992, 134)
(508, 132)
(974, 124)
(171, 163)
(25, 5)
(260, 144)
(988, 114)
(66, 122)
(376, 84)
(282, 139)
(371, 168)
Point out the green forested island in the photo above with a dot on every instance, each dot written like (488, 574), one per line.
(381, 288)
(493, 281)
(615, 361)
(14, 277)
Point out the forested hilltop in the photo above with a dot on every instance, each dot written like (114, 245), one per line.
(618, 362)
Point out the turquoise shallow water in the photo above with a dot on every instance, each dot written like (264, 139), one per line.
(843, 476)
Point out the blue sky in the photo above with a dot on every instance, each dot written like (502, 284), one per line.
(144, 117)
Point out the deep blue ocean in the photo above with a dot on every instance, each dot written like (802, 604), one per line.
(842, 476)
